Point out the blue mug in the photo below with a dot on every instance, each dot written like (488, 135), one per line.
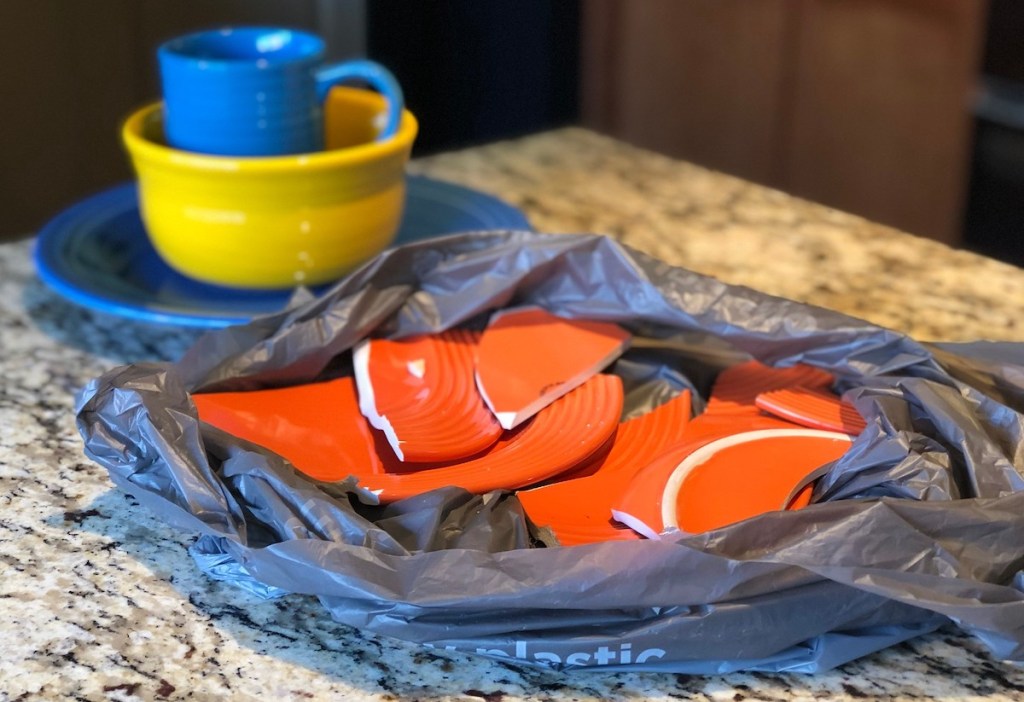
(257, 91)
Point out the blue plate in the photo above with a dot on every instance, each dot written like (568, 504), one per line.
(96, 254)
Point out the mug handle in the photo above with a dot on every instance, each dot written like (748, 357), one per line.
(380, 78)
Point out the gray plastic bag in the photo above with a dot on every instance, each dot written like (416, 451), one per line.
(920, 523)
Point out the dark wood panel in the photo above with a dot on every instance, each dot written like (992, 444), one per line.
(701, 80)
(55, 77)
(72, 72)
(880, 123)
(863, 105)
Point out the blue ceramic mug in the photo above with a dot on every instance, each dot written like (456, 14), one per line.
(257, 91)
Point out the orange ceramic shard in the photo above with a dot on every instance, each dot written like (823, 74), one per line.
(320, 430)
(529, 357)
(711, 484)
(317, 427)
(421, 393)
(737, 387)
(578, 510)
(564, 434)
(811, 408)
(712, 426)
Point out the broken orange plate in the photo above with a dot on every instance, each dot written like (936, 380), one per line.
(578, 509)
(317, 427)
(707, 427)
(811, 408)
(639, 447)
(561, 436)
(736, 388)
(528, 358)
(421, 393)
(707, 485)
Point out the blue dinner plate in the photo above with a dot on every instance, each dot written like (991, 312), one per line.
(96, 254)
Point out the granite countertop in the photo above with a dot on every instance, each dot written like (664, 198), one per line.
(100, 600)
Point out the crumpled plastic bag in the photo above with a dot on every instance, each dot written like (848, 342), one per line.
(920, 523)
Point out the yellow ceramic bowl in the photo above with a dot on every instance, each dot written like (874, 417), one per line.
(279, 221)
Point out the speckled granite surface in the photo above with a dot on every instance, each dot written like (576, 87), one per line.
(99, 600)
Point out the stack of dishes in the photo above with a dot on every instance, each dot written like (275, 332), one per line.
(155, 250)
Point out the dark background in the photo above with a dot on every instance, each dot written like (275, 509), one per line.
(479, 71)
(994, 218)
(715, 82)
(472, 72)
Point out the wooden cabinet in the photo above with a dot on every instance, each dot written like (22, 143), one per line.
(862, 105)
(73, 71)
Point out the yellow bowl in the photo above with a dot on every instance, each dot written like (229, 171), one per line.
(280, 221)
